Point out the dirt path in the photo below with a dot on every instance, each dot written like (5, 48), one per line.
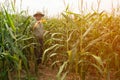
(46, 73)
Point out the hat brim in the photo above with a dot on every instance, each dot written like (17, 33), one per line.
(42, 15)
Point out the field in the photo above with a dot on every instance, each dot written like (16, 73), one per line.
(76, 46)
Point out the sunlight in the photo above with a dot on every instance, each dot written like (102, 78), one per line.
(82, 43)
(55, 7)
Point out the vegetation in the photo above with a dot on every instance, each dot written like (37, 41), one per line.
(16, 44)
(86, 45)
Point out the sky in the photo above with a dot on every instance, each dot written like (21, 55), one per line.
(55, 7)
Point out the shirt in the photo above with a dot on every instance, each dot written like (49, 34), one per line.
(38, 30)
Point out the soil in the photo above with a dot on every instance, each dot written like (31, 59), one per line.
(46, 73)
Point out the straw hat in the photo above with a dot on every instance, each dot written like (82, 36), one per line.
(38, 14)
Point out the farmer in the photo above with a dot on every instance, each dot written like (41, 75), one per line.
(38, 32)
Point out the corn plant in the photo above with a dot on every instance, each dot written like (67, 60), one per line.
(16, 44)
(84, 44)
(87, 42)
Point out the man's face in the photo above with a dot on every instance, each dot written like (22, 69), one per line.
(38, 17)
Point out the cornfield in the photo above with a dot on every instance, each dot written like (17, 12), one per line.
(86, 45)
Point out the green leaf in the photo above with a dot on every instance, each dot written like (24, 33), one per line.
(98, 59)
(10, 31)
(64, 75)
(10, 22)
(60, 70)
(48, 49)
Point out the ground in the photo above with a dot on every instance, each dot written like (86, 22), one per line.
(46, 73)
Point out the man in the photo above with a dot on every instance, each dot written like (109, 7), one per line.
(38, 32)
